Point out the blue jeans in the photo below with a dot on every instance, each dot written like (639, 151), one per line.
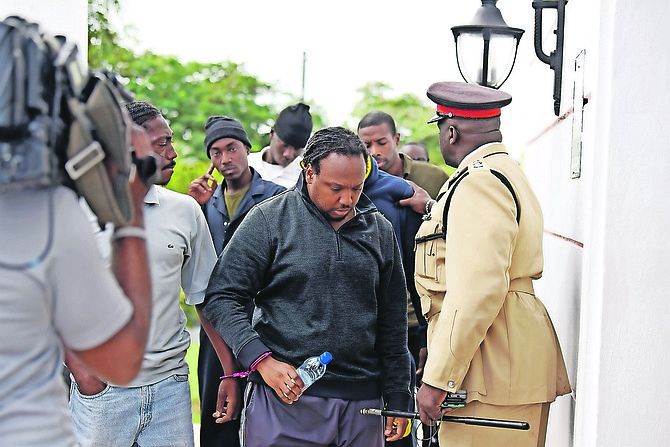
(148, 416)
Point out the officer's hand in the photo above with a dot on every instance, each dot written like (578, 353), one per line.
(428, 401)
(202, 188)
(418, 201)
(423, 355)
(282, 378)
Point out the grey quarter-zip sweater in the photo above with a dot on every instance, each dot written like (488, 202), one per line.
(316, 289)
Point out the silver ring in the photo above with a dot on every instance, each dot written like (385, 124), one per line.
(292, 400)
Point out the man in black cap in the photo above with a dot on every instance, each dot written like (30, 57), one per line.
(477, 252)
(224, 206)
(280, 161)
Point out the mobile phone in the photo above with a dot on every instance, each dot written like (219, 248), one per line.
(455, 400)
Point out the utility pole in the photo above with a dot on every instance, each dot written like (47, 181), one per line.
(304, 59)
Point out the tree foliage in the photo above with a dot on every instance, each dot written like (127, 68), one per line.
(102, 39)
(409, 112)
(187, 93)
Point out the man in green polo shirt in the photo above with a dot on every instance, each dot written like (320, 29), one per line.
(378, 132)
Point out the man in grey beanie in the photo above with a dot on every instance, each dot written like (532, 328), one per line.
(225, 205)
(280, 161)
(218, 127)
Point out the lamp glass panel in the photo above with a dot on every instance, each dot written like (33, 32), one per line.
(502, 52)
(470, 56)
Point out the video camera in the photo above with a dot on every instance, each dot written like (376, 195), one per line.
(61, 125)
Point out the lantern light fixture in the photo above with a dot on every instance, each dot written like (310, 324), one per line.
(486, 49)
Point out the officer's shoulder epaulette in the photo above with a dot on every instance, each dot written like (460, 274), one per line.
(477, 167)
(480, 166)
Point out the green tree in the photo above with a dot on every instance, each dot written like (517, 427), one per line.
(102, 40)
(186, 93)
(409, 112)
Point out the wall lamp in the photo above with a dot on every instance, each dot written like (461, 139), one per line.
(555, 58)
(486, 48)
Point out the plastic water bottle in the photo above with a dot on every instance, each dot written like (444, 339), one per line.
(313, 368)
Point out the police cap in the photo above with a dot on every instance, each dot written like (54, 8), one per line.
(458, 99)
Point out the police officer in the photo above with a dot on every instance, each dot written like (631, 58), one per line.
(477, 253)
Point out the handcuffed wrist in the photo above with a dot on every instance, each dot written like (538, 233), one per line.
(252, 368)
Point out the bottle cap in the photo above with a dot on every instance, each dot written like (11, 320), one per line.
(325, 358)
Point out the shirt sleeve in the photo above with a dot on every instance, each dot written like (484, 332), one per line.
(481, 231)
(392, 329)
(89, 305)
(231, 289)
(199, 262)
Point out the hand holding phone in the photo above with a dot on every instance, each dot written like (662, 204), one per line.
(455, 400)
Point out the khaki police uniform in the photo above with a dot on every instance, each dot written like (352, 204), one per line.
(487, 331)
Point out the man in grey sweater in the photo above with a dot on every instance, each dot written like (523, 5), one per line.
(323, 268)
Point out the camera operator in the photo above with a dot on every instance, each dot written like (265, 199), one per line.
(55, 292)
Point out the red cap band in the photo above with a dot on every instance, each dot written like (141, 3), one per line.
(468, 113)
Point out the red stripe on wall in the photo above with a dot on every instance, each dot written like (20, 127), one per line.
(556, 122)
(565, 238)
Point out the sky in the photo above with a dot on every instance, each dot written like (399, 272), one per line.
(405, 44)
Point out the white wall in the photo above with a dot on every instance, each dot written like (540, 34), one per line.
(606, 299)
(542, 142)
(67, 17)
(627, 266)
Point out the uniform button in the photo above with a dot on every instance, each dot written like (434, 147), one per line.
(451, 384)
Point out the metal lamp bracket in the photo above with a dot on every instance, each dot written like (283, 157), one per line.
(555, 58)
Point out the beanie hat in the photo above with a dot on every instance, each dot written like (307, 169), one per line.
(218, 127)
(294, 125)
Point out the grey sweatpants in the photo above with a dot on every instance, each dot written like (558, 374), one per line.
(311, 421)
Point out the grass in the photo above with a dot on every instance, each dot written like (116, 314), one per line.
(192, 360)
